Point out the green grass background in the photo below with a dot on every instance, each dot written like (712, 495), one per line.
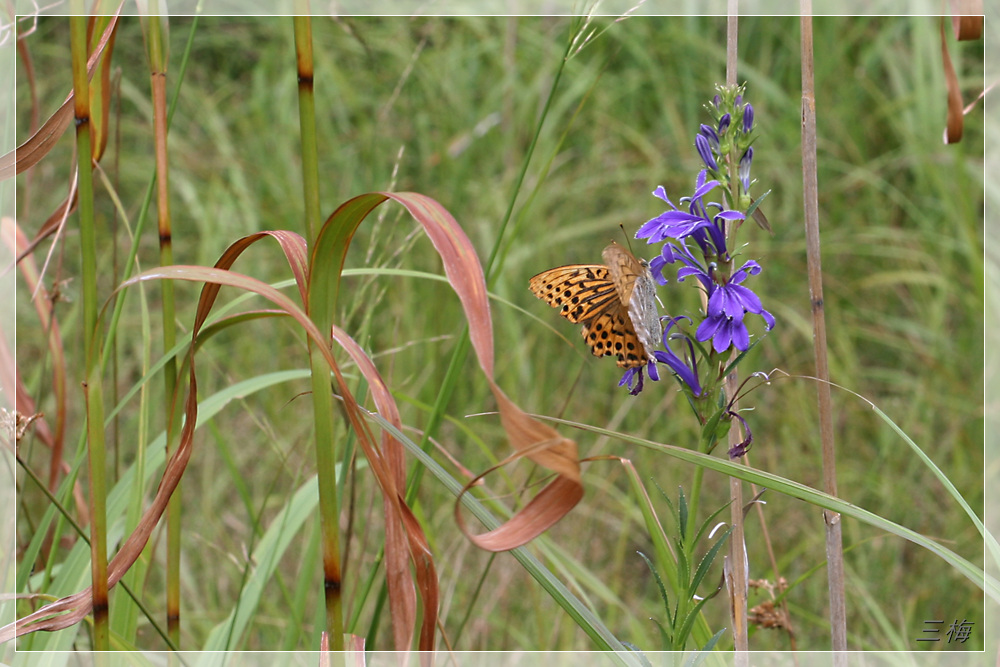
(447, 107)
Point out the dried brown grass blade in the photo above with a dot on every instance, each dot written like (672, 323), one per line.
(967, 19)
(529, 437)
(955, 123)
(41, 142)
(403, 532)
(100, 93)
(50, 226)
(967, 24)
(72, 609)
(15, 239)
(404, 537)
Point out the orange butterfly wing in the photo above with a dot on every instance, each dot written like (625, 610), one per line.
(587, 294)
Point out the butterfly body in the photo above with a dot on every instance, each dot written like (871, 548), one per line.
(615, 302)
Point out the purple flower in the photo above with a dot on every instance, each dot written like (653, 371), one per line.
(741, 448)
(708, 232)
(733, 300)
(724, 331)
(636, 372)
(727, 304)
(686, 369)
(713, 138)
(724, 123)
(674, 252)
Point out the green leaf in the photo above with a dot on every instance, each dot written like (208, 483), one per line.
(659, 584)
(988, 583)
(706, 562)
(698, 657)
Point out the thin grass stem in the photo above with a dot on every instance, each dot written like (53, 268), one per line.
(322, 398)
(810, 196)
(92, 387)
(157, 57)
(737, 545)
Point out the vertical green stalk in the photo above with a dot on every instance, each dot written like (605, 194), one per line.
(322, 397)
(307, 119)
(810, 197)
(157, 54)
(88, 279)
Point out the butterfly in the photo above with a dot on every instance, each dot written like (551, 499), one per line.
(615, 302)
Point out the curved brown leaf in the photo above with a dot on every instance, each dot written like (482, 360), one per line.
(72, 609)
(51, 225)
(14, 237)
(966, 24)
(529, 437)
(403, 533)
(967, 19)
(41, 142)
(100, 93)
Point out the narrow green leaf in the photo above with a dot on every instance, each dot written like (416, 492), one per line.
(706, 562)
(659, 584)
(988, 583)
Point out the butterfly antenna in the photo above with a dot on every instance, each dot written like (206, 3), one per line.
(628, 241)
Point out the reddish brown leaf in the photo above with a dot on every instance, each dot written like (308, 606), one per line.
(953, 130)
(967, 19)
(398, 544)
(41, 142)
(967, 24)
(51, 225)
(14, 238)
(529, 437)
(72, 609)
(100, 91)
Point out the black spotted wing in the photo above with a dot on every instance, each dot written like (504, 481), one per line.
(586, 294)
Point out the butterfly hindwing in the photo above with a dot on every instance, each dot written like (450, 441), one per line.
(611, 334)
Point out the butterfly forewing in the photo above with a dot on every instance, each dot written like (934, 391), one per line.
(615, 304)
(580, 291)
